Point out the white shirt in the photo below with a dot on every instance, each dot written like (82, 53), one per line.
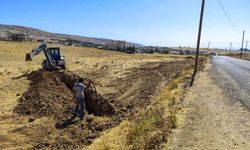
(79, 90)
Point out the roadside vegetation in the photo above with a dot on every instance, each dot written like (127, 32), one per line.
(246, 56)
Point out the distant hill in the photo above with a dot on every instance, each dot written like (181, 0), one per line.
(40, 34)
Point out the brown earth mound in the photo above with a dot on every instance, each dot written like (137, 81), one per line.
(50, 94)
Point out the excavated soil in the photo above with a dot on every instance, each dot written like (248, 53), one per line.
(50, 95)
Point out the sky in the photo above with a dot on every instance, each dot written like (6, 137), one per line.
(149, 22)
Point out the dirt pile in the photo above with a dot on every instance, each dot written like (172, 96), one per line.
(50, 94)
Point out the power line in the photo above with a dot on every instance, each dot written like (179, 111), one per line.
(227, 16)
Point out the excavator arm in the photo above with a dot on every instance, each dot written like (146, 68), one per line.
(37, 51)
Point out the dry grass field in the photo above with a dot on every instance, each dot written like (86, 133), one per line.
(246, 56)
(136, 85)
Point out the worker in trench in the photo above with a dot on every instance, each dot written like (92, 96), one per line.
(79, 89)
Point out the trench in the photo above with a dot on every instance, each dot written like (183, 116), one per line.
(50, 94)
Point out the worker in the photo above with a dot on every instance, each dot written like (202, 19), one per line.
(79, 89)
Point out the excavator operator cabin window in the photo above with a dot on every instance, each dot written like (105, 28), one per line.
(54, 52)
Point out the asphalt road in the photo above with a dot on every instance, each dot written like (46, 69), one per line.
(234, 76)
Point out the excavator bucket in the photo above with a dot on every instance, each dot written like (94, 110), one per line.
(28, 57)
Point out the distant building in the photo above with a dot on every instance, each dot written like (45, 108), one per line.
(41, 40)
(116, 45)
(18, 37)
(147, 49)
(3, 38)
(99, 47)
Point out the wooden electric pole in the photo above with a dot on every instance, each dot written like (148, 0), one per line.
(198, 43)
(243, 39)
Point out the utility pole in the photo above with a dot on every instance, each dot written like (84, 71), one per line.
(230, 49)
(208, 47)
(243, 39)
(246, 47)
(246, 44)
(198, 43)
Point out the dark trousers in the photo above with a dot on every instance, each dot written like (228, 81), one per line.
(80, 107)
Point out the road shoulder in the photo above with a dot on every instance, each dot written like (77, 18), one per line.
(209, 121)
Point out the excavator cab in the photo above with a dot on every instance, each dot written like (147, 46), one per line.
(56, 58)
(55, 53)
